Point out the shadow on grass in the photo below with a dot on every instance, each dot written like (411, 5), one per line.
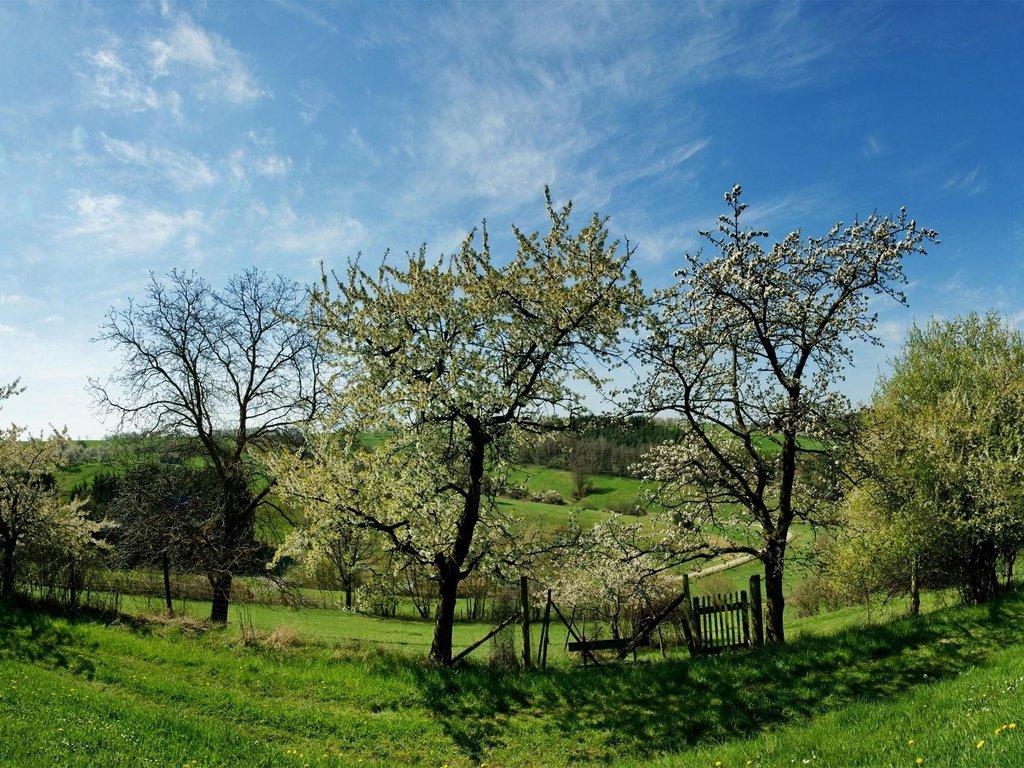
(37, 636)
(648, 709)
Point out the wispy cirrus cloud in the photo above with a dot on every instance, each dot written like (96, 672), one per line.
(178, 166)
(312, 96)
(308, 12)
(282, 230)
(580, 97)
(970, 182)
(111, 225)
(258, 157)
(218, 70)
(115, 84)
(153, 71)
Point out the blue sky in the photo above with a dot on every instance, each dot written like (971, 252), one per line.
(138, 137)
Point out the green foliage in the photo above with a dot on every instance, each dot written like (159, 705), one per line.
(943, 445)
(749, 346)
(37, 526)
(456, 359)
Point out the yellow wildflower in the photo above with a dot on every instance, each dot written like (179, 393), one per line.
(920, 761)
(980, 744)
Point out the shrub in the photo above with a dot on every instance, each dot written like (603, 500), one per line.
(548, 497)
(810, 595)
(626, 508)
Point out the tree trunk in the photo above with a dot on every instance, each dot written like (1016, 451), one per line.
(775, 601)
(449, 568)
(441, 647)
(221, 598)
(348, 594)
(982, 582)
(915, 587)
(165, 561)
(73, 590)
(7, 570)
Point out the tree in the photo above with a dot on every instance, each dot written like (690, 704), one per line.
(31, 511)
(747, 348)
(452, 361)
(229, 371)
(9, 390)
(944, 440)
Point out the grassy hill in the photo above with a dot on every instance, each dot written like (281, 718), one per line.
(944, 689)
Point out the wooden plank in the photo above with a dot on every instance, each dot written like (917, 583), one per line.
(486, 637)
(756, 616)
(524, 600)
(743, 618)
(609, 644)
(568, 626)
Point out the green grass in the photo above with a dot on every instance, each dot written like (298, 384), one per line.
(336, 627)
(86, 694)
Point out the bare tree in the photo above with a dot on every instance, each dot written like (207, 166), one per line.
(228, 371)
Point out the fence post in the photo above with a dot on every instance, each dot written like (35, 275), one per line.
(545, 635)
(688, 626)
(524, 597)
(756, 613)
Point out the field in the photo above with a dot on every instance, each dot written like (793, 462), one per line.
(323, 687)
(87, 694)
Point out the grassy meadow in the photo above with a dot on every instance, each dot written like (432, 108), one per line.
(944, 688)
(860, 686)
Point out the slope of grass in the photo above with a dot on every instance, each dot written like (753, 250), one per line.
(85, 694)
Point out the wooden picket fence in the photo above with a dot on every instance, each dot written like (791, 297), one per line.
(720, 622)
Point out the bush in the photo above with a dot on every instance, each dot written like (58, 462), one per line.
(810, 596)
(626, 508)
(513, 491)
(548, 497)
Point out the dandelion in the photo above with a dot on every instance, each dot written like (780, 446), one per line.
(980, 744)
(920, 761)
(718, 764)
(910, 742)
(1012, 726)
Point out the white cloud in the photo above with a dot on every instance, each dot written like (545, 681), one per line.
(181, 168)
(245, 163)
(150, 73)
(970, 182)
(125, 227)
(312, 96)
(319, 238)
(220, 69)
(113, 84)
(308, 12)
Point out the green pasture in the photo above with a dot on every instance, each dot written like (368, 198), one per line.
(944, 688)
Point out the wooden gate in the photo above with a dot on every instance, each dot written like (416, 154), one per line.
(716, 623)
(721, 622)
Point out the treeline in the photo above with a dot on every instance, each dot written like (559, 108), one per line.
(600, 445)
